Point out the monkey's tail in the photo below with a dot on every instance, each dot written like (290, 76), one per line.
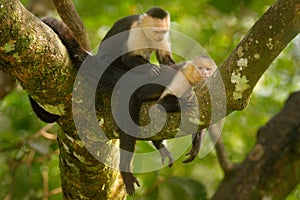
(76, 52)
(41, 113)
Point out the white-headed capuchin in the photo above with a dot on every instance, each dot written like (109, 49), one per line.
(194, 71)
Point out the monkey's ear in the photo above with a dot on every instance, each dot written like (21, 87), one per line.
(191, 73)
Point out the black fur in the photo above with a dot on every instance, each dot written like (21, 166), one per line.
(41, 113)
(157, 12)
(76, 52)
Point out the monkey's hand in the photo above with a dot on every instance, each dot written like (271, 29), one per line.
(165, 153)
(192, 153)
(197, 140)
(129, 181)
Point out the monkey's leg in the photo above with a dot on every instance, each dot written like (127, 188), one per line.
(164, 152)
(197, 140)
(127, 146)
(146, 93)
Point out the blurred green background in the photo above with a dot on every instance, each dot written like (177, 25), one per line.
(29, 159)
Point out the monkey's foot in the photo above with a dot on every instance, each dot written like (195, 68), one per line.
(197, 139)
(192, 154)
(129, 179)
(165, 153)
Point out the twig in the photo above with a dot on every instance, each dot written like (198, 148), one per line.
(55, 191)
(43, 132)
(215, 135)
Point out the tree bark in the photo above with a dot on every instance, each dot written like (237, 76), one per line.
(33, 54)
(271, 169)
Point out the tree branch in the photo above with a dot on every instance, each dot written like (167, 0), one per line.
(214, 133)
(274, 158)
(240, 72)
(31, 52)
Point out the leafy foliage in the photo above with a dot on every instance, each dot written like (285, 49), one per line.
(28, 160)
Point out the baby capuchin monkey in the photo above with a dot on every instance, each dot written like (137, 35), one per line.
(195, 71)
(178, 84)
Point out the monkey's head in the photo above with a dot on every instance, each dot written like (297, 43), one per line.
(199, 69)
(156, 22)
(194, 71)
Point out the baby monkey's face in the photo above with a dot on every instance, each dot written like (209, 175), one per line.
(199, 69)
(205, 70)
(205, 67)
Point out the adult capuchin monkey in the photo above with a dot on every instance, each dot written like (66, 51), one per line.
(138, 36)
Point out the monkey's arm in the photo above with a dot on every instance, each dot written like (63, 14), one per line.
(164, 152)
(164, 57)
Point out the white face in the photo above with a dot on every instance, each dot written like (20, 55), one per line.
(205, 71)
(205, 66)
(158, 34)
(156, 29)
